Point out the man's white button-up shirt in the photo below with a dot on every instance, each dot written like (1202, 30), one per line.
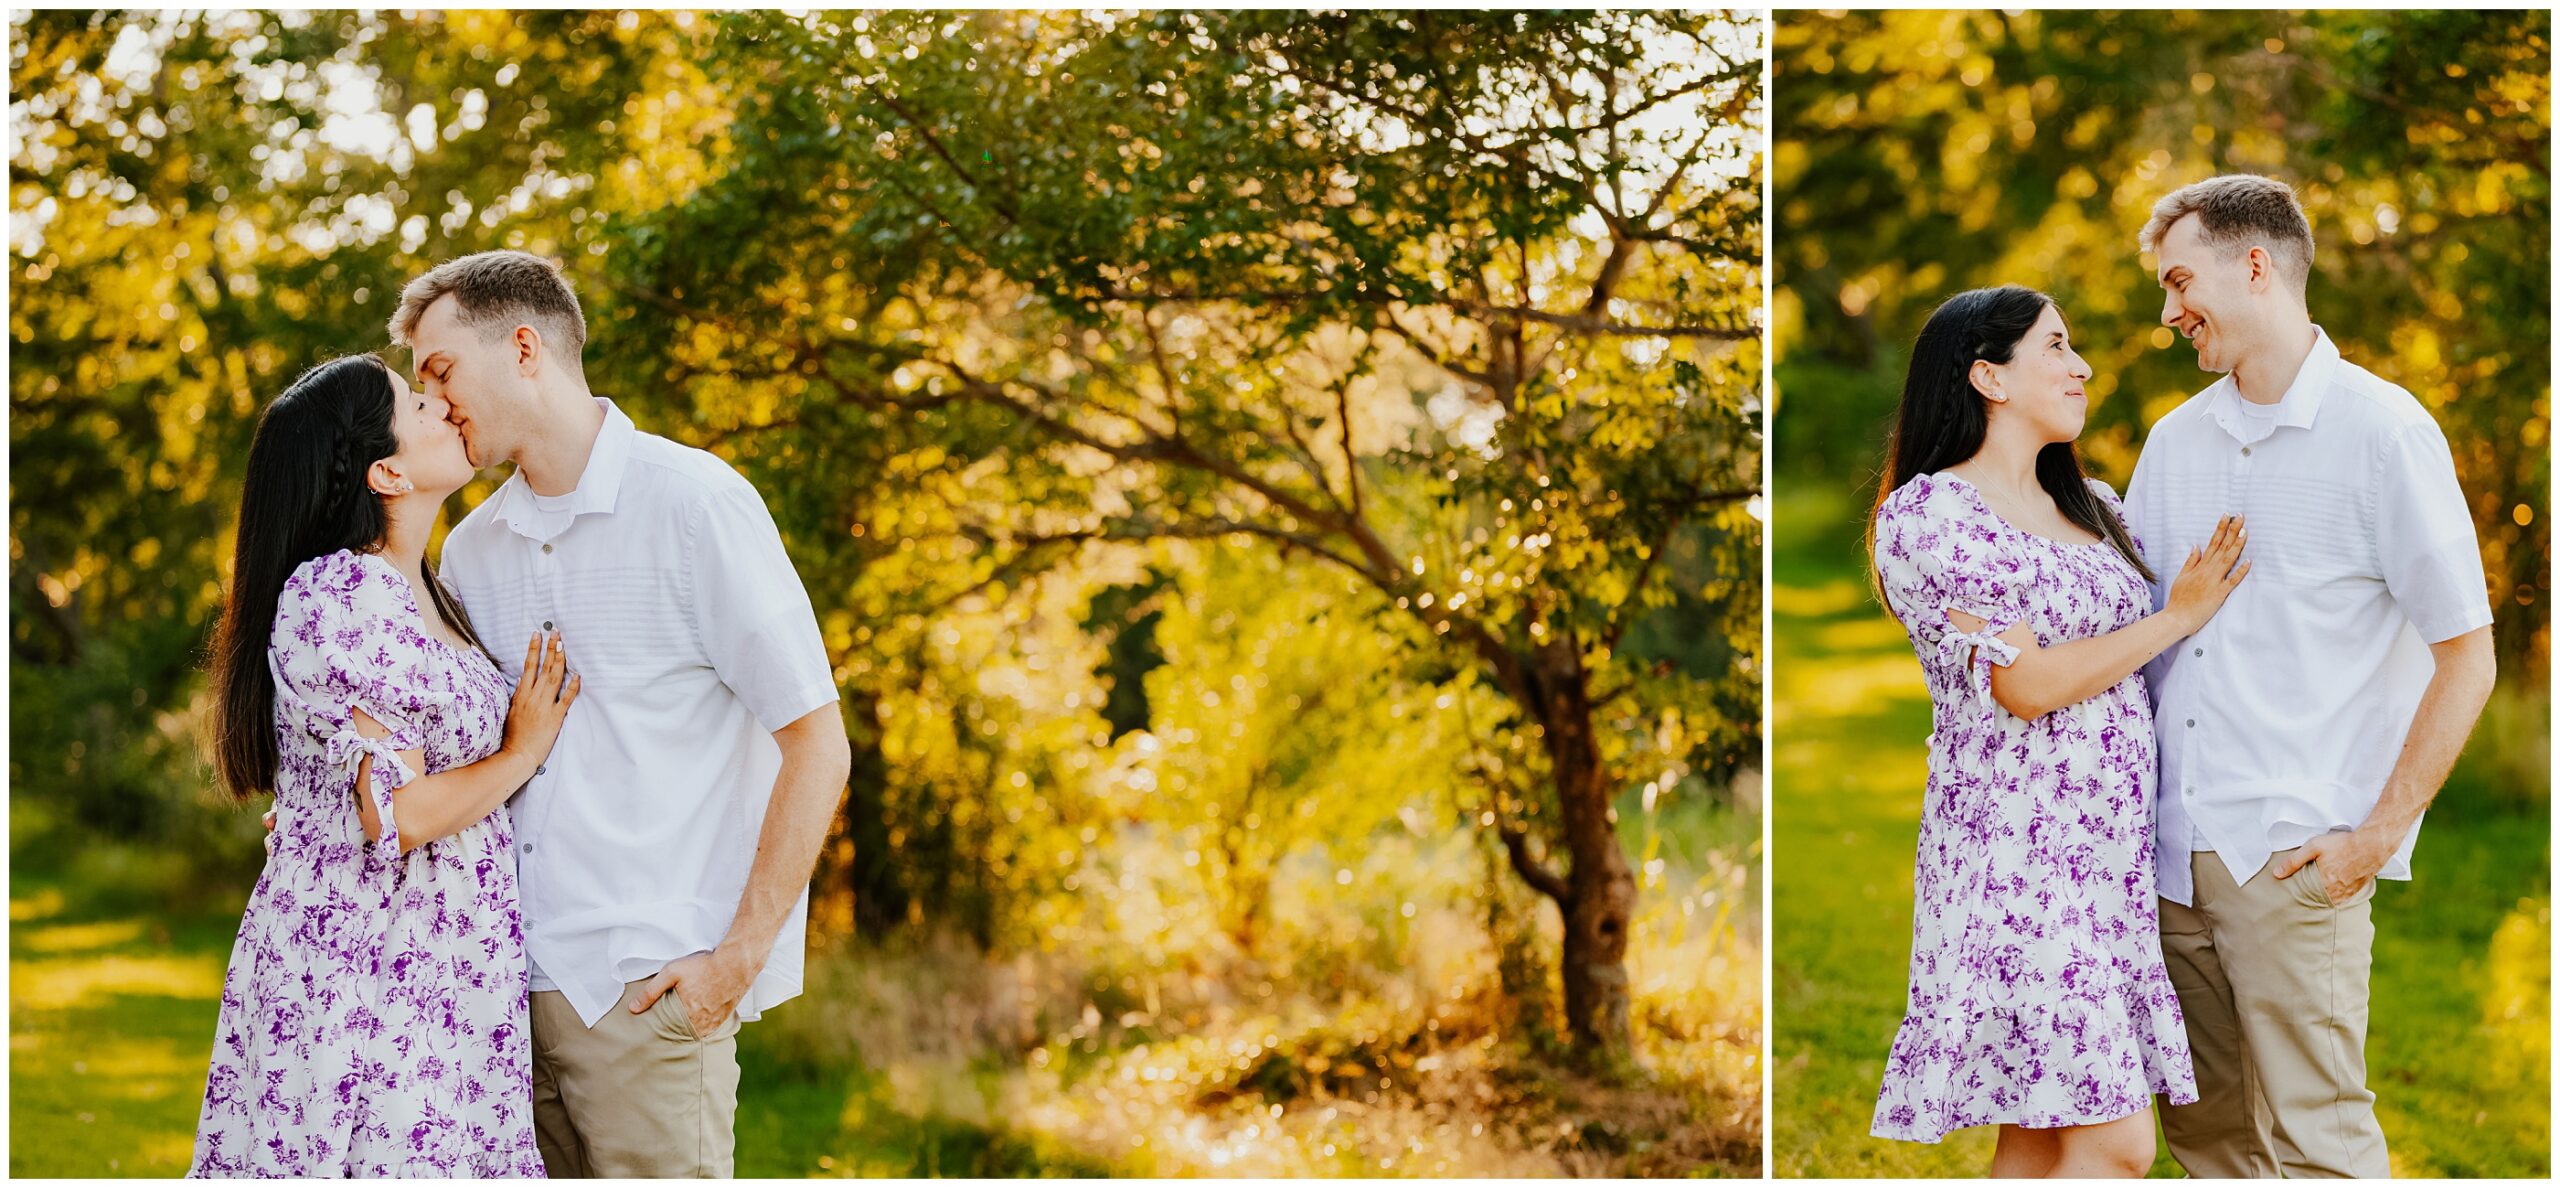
(694, 641)
(2281, 719)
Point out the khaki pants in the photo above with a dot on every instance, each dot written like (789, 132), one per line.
(2274, 981)
(635, 1095)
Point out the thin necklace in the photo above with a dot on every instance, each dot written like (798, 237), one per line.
(2015, 498)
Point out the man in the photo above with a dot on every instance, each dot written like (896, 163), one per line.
(665, 846)
(2305, 729)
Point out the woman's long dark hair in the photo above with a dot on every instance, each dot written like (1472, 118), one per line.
(305, 496)
(1943, 419)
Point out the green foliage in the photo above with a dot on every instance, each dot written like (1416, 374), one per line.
(1920, 153)
(1459, 307)
(1442, 302)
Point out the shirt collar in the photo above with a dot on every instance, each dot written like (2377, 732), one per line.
(2301, 402)
(599, 486)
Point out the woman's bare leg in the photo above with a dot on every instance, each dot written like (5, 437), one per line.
(2025, 1154)
(2121, 1149)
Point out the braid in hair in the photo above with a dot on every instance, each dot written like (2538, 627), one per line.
(303, 496)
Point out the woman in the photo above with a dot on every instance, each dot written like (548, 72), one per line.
(373, 1020)
(2038, 998)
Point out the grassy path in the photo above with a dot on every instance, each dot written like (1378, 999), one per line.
(2460, 1048)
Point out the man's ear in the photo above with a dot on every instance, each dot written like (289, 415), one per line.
(2262, 270)
(528, 343)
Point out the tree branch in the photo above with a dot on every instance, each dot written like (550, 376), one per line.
(1532, 871)
(1382, 568)
(1350, 460)
(1586, 322)
(1623, 614)
(934, 142)
(1137, 530)
(1514, 842)
(1307, 459)
(1691, 244)
(1430, 350)
(1164, 370)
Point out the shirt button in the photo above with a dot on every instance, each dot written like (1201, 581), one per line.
(546, 625)
(538, 771)
(540, 768)
(2244, 452)
(546, 549)
(526, 848)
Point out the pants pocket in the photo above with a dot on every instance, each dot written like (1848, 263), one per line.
(542, 1022)
(2308, 887)
(672, 1021)
(2311, 889)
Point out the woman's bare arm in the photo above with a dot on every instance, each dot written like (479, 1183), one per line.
(2042, 680)
(445, 803)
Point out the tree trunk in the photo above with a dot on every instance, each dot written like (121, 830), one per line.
(1602, 887)
(1596, 893)
(879, 898)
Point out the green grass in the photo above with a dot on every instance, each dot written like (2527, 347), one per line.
(851, 1126)
(111, 1019)
(112, 1003)
(2459, 1051)
(116, 967)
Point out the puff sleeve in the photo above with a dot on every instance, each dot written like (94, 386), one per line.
(348, 637)
(1935, 552)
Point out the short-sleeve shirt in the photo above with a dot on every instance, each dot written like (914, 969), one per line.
(694, 641)
(2282, 719)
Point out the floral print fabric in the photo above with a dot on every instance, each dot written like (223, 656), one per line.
(373, 1018)
(2038, 996)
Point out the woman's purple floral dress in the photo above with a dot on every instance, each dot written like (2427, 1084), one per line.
(2037, 992)
(373, 1020)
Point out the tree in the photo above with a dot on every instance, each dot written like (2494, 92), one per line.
(1217, 276)
(1920, 153)
(1456, 309)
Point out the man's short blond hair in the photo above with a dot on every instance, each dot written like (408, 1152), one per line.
(2239, 211)
(496, 292)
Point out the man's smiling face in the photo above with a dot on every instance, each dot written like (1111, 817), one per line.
(2205, 294)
